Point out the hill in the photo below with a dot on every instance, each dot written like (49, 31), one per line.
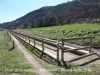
(76, 11)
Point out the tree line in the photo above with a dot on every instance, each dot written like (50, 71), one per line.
(65, 13)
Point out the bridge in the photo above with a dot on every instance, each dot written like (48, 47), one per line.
(58, 50)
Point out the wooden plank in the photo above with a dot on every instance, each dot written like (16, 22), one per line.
(90, 45)
(29, 38)
(80, 57)
(34, 42)
(58, 51)
(74, 38)
(48, 40)
(42, 44)
(62, 50)
(50, 48)
(13, 44)
(69, 50)
(38, 43)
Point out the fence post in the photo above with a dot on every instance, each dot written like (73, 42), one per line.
(13, 44)
(7, 32)
(90, 45)
(25, 38)
(58, 50)
(19, 34)
(34, 40)
(42, 44)
(62, 51)
(29, 38)
(10, 37)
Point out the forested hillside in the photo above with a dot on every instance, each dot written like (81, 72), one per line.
(76, 11)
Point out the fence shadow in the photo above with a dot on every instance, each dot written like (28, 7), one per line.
(97, 57)
(11, 49)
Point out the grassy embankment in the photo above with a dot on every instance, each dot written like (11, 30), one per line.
(58, 32)
(12, 62)
(67, 31)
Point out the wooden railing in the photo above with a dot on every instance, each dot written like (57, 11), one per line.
(64, 49)
(59, 44)
(34, 38)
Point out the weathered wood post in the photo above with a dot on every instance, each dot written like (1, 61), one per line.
(7, 32)
(10, 37)
(34, 40)
(90, 45)
(29, 38)
(13, 44)
(25, 37)
(42, 44)
(42, 47)
(62, 51)
(19, 34)
(58, 50)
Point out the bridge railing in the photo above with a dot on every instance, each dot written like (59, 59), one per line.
(59, 44)
(33, 39)
(66, 49)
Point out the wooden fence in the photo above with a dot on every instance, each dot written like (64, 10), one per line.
(64, 49)
(60, 45)
(34, 39)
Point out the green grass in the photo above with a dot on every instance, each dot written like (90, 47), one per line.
(1, 33)
(67, 31)
(75, 27)
(71, 27)
(12, 61)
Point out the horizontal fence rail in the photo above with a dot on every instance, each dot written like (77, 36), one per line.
(75, 38)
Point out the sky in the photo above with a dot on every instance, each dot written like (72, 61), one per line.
(13, 9)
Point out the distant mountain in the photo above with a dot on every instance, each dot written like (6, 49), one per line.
(76, 11)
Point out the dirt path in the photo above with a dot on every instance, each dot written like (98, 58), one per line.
(39, 69)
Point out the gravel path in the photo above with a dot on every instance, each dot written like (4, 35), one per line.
(39, 69)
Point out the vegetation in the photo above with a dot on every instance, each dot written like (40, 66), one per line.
(1, 33)
(66, 13)
(67, 31)
(12, 62)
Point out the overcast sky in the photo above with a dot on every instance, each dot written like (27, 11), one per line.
(13, 9)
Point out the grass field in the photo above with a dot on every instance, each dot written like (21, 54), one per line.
(67, 31)
(75, 27)
(12, 62)
(1, 33)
